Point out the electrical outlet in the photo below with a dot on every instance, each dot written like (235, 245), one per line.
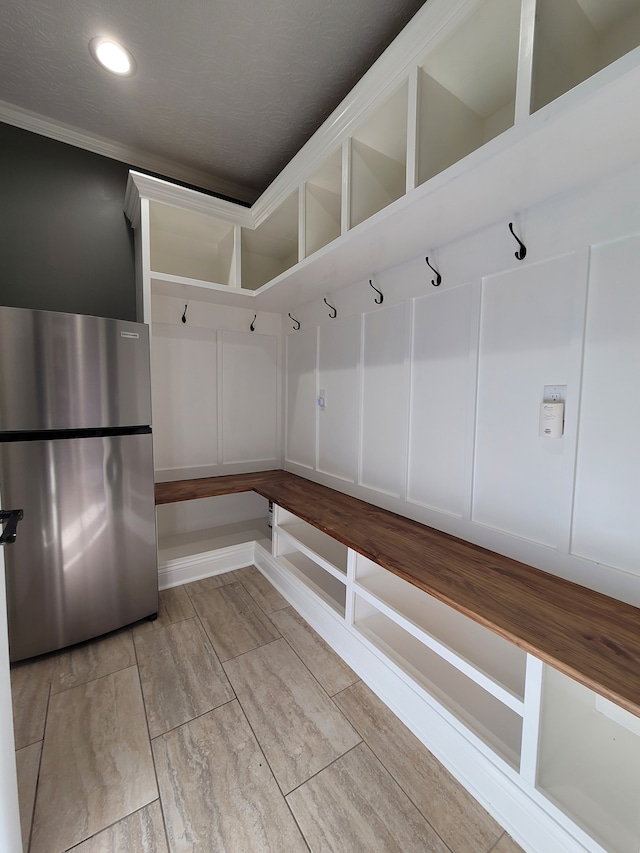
(555, 394)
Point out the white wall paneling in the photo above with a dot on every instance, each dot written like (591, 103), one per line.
(441, 368)
(184, 394)
(527, 324)
(249, 397)
(607, 492)
(385, 399)
(216, 387)
(339, 375)
(301, 396)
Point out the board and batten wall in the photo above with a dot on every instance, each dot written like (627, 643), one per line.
(215, 389)
(432, 397)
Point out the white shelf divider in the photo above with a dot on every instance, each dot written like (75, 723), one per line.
(326, 586)
(375, 592)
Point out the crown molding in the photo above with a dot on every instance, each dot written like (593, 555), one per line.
(27, 120)
(156, 189)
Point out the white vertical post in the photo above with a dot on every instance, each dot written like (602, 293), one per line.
(525, 60)
(145, 260)
(412, 129)
(345, 215)
(302, 222)
(236, 273)
(531, 720)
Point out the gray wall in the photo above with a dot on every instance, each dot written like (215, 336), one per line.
(65, 244)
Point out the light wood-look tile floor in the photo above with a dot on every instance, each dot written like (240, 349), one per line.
(226, 725)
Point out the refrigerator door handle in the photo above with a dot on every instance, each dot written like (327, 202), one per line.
(10, 518)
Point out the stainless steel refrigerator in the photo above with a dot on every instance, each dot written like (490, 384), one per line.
(76, 458)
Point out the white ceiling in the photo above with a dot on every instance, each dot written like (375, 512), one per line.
(225, 93)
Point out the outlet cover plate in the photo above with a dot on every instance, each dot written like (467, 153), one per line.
(555, 394)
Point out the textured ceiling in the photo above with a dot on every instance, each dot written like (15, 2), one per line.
(228, 90)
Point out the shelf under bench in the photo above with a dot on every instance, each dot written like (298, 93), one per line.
(590, 637)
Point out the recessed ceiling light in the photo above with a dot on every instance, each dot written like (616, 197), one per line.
(112, 56)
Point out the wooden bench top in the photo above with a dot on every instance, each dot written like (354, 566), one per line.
(591, 637)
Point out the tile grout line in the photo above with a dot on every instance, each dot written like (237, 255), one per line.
(193, 719)
(363, 740)
(96, 677)
(397, 781)
(111, 825)
(35, 794)
(267, 762)
(491, 849)
(322, 769)
(153, 758)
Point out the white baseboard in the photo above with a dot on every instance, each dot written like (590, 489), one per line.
(495, 787)
(205, 565)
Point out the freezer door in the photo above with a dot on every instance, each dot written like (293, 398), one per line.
(69, 371)
(85, 560)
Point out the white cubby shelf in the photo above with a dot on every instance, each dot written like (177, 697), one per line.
(470, 96)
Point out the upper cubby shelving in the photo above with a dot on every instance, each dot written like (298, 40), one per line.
(323, 204)
(479, 109)
(379, 159)
(574, 39)
(272, 247)
(190, 244)
(459, 107)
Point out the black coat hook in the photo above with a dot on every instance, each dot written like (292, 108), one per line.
(253, 323)
(296, 323)
(375, 299)
(184, 315)
(438, 279)
(521, 254)
(335, 310)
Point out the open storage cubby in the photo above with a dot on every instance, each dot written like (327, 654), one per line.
(327, 552)
(575, 39)
(379, 158)
(496, 725)
(272, 247)
(459, 108)
(323, 204)
(484, 656)
(190, 528)
(312, 556)
(589, 761)
(325, 586)
(191, 245)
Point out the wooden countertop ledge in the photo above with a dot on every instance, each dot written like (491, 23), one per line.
(588, 636)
